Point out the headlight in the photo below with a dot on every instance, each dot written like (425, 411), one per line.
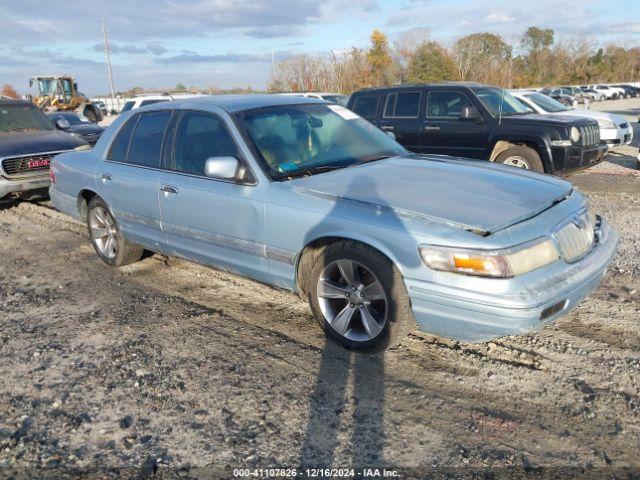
(491, 263)
(575, 135)
(606, 124)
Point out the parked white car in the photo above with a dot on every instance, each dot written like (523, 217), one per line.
(610, 93)
(338, 98)
(143, 100)
(614, 129)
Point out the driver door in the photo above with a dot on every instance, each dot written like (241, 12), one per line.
(216, 222)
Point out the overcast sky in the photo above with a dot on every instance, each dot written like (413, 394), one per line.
(227, 43)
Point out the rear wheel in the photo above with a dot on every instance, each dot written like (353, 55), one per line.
(358, 296)
(108, 242)
(91, 115)
(521, 157)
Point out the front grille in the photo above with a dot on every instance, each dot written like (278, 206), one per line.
(590, 135)
(31, 164)
(575, 237)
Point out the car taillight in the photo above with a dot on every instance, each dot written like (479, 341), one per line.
(52, 176)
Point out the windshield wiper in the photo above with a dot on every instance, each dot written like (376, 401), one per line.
(309, 171)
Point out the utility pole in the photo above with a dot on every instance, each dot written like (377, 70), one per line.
(105, 34)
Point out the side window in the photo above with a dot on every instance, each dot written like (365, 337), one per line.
(366, 106)
(447, 104)
(201, 136)
(120, 146)
(146, 142)
(402, 104)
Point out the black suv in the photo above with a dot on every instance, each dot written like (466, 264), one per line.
(28, 142)
(476, 121)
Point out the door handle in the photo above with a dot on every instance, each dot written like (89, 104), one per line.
(168, 189)
(431, 128)
(386, 128)
(106, 177)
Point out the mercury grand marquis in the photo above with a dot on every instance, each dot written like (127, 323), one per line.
(305, 195)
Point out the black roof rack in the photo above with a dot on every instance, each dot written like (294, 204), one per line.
(416, 85)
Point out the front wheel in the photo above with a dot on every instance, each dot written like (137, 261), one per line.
(521, 157)
(358, 296)
(108, 242)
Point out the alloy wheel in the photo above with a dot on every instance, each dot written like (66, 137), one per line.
(517, 161)
(104, 232)
(352, 300)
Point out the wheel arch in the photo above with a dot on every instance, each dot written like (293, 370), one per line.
(499, 145)
(84, 197)
(305, 255)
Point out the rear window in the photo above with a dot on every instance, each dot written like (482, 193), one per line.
(128, 106)
(366, 105)
(403, 104)
(120, 146)
(146, 142)
(150, 102)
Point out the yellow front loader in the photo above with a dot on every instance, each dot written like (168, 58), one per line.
(59, 93)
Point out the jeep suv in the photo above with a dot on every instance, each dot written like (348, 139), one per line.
(476, 121)
(28, 142)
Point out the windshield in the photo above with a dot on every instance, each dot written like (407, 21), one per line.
(546, 103)
(300, 139)
(21, 118)
(492, 99)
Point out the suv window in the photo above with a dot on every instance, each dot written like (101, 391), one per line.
(402, 104)
(366, 105)
(146, 142)
(120, 146)
(200, 136)
(447, 104)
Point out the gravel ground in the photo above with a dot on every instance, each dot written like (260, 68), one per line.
(171, 369)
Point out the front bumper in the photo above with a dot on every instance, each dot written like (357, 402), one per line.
(24, 184)
(617, 136)
(519, 305)
(571, 159)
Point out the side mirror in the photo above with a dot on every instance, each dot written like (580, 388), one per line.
(62, 124)
(471, 113)
(224, 168)
(390, 134)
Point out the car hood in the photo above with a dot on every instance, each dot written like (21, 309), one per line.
(536, 118)
(617, 119)
(86, 128)
(25, 143)
(474, 196)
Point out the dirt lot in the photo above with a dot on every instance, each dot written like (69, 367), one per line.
(169, 367)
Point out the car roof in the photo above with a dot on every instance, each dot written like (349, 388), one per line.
(13, 101)
(421, 85)
(236, 103)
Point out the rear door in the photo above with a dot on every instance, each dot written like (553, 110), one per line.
(401, 115)
(128, 179)
(444, 131)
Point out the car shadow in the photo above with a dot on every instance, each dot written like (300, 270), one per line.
(339, 368)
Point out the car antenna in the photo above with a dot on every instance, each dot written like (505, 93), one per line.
(501, 102)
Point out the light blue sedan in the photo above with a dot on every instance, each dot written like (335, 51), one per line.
(305, 195)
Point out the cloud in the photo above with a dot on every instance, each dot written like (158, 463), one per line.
(127, 48)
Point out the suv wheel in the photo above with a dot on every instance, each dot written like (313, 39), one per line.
(358, 296)
(521, 157)
(108, 242)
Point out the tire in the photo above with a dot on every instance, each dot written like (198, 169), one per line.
(120, 253)
(522, 157)
(376, 320)
(601, 99)
(91, 115)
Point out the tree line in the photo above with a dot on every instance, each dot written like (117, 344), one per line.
(537, 59)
